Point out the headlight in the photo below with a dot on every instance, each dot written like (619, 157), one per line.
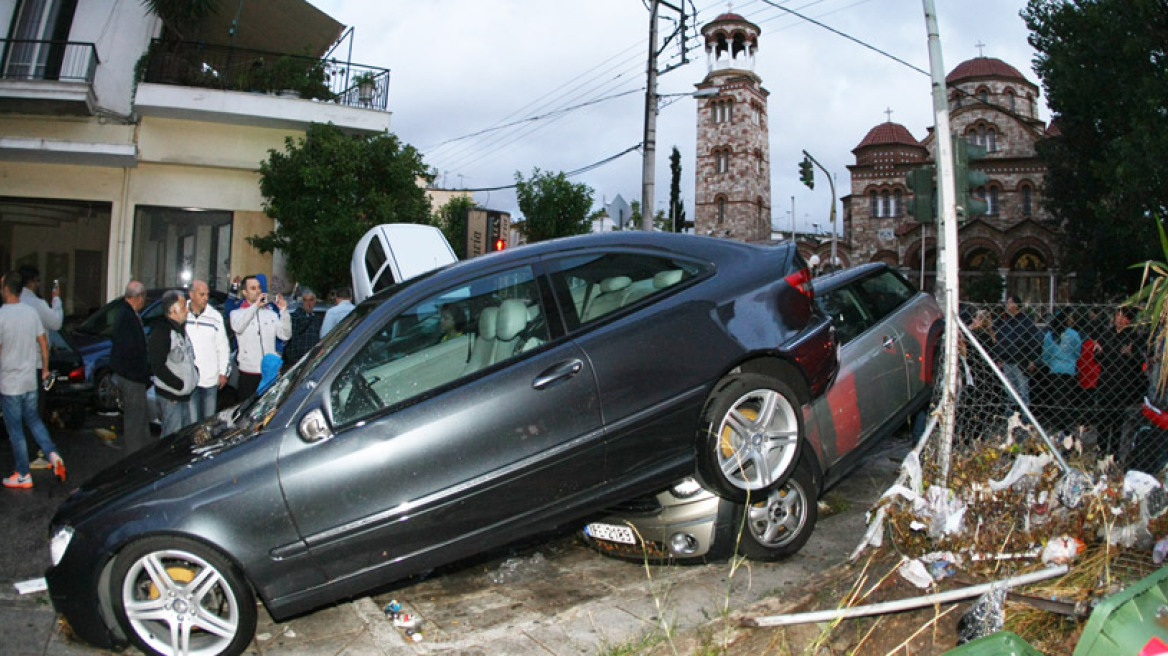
(685, 488)
(59, 543)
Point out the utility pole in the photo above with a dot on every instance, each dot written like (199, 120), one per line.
(649, 143)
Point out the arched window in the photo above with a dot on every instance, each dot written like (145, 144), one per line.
(885, 204)
(992, 205)
(721, 160)
(897, 203)
(991, 140)
(1011, 101)
(1027, 200)
(983, 96)
(873, 204)
(958, 98)
(720, 203)
(981, 135)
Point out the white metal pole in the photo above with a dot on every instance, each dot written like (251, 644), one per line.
(946, 288)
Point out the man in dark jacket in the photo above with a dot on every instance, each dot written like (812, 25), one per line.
(131, 367)
(306, 322)
(1019, 348)
(172, 360)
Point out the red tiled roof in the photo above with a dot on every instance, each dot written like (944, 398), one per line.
(983, 67)
(888, 133)
(729, 17)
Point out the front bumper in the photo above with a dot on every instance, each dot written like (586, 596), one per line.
(74, 586)
(697, 520)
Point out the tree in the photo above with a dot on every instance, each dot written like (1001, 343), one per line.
(451, 220)
(676, 208)
(1106, 169)
(327, 189)
(179, 16)
(552, 206)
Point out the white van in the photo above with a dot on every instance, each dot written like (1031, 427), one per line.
(393, 252)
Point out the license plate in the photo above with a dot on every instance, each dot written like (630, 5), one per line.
(610, 532)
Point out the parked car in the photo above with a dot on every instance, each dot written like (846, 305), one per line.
(394, 252)
(71, 389)
(889, 335)
(586, 371)
(93, 340)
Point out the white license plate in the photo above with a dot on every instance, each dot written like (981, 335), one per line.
(611, 533)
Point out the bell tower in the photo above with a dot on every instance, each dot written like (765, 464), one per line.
(732, 194)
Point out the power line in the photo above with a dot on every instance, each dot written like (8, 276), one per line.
(582, 169)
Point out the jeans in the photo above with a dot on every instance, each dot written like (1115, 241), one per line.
(176, 414)
(21, 410)
(203, 402)
(135, 430)
(1019, 381)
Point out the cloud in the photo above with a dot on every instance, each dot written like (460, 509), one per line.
(461, 66)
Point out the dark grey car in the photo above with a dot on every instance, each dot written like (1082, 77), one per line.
(889, 334)
(585, 371)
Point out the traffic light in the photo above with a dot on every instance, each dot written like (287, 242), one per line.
(923, 207)
(500, 231)
(968, 180)
(806, 173)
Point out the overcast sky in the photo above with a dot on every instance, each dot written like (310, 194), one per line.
(460, 67)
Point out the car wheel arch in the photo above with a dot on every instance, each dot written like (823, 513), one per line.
(777, 367)
(131, 539)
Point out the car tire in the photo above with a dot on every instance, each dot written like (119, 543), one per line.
(164, 582)
(750, 437)
(779, 525)
(106, 397)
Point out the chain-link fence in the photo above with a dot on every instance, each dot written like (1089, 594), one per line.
(1082, 370)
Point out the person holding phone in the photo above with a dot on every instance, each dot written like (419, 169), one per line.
(257, 326)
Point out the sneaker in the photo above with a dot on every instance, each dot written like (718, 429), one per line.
(58, 466)
(18, 480)
(40, 462)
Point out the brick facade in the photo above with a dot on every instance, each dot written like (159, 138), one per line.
(991, 104)
(732, 192)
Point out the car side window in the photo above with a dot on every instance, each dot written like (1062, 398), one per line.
(886, 292)
(439, 340)
(847, 313)
(600, 284)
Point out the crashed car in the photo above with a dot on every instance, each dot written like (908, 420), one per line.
(890, 339)
(447, 415)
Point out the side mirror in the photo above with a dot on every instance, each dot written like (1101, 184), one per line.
(314, 427)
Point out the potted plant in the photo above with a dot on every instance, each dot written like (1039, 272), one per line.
(366, 84)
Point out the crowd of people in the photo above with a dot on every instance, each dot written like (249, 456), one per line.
(1083, 369)
(186, 355)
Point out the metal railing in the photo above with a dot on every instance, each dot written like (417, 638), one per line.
(239, 69)
(67, 61)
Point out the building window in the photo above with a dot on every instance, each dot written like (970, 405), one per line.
(1027, 200)
(721, 160)
(1011, 101)
(983, 96)
(720, 203)
(991, 140)
(873, 204)
(992, 205)
(885, 204)
(897, 203)
(173, 246)
(723, 110)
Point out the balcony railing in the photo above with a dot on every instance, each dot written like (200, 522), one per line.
(239, 69)
(66, 61)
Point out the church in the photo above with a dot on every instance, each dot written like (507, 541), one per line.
(991, 104)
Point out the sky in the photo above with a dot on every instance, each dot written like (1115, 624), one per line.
(460, 69)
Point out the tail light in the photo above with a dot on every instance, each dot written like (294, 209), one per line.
(801, 280)
(77, 375)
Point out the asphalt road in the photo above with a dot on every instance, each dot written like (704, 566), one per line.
(551, 595)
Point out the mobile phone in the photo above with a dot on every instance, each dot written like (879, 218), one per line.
(56, 285)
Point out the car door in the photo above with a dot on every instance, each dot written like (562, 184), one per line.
(437, 454)
(871, 382)
(642, 348)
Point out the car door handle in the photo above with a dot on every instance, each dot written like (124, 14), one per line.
(889, 342)
(557, 372)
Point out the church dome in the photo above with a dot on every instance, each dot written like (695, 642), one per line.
(982, 67)
(888, 134)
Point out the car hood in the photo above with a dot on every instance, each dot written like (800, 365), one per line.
(187, 451)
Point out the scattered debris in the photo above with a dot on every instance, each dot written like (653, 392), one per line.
(31, 585)
(983, 618)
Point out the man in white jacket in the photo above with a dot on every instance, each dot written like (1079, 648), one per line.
(256, 328)
(208, 335)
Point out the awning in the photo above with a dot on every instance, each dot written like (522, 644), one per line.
(284, 26)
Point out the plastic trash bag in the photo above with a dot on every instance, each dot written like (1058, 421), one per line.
(984, 618)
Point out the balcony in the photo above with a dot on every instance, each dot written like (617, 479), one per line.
(271, 89)
(48, 77)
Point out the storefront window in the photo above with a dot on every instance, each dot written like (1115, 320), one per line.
(173, 246)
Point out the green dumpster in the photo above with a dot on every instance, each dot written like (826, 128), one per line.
(1124, 623)
(1002, 643)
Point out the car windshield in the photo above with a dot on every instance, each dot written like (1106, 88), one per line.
(256, 413)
